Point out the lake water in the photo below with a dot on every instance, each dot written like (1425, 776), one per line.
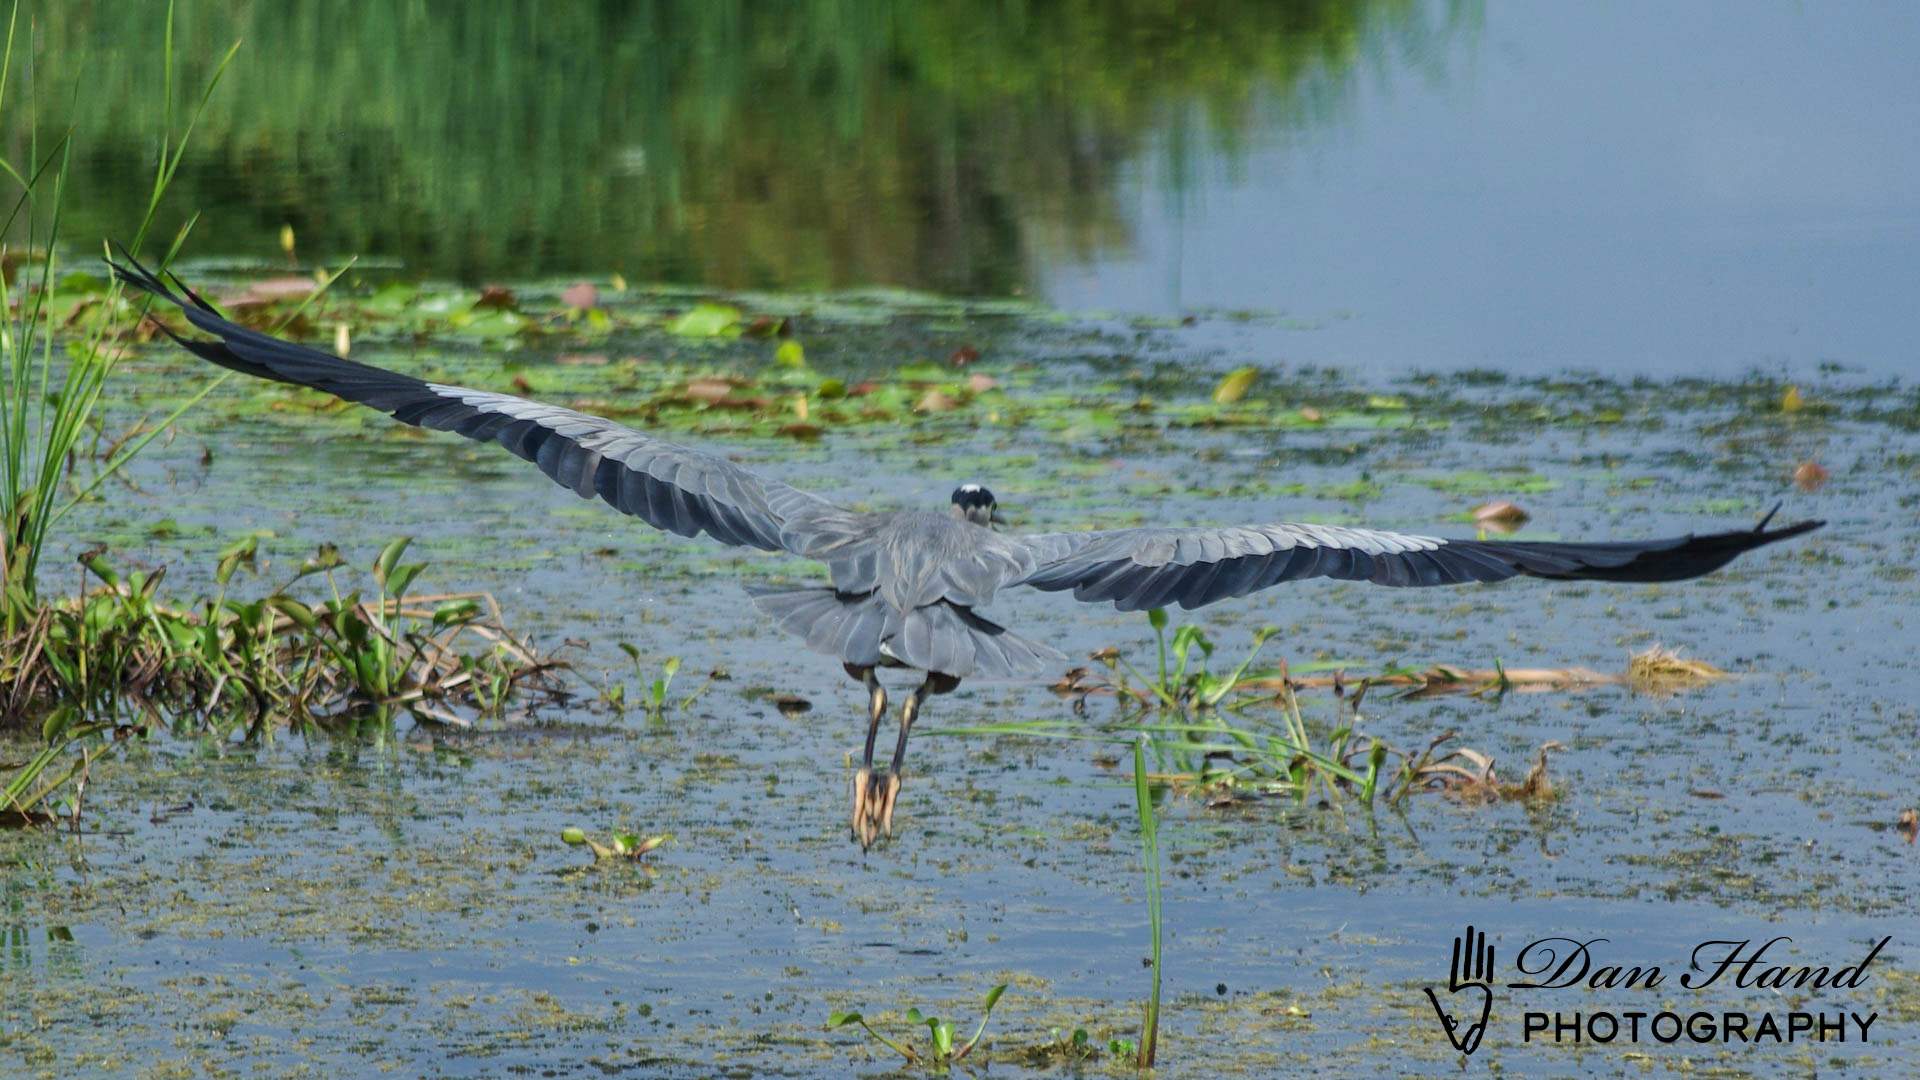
(1633, 188)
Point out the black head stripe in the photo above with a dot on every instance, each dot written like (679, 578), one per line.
(972, 496)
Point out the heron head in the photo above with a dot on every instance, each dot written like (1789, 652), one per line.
(974, 503)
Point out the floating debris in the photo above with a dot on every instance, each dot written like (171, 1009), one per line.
(1810, 476)
(1660, 670)
(1500, 516)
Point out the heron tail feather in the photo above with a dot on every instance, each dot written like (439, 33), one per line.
(865, 631)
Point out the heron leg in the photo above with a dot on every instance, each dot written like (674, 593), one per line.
(876, 711)
(864, 788)
(889, 794)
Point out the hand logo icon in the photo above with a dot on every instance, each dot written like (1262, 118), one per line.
(1471, 978)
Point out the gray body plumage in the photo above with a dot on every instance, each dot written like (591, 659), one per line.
(907, 587)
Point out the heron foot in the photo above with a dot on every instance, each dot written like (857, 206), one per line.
(875, 797)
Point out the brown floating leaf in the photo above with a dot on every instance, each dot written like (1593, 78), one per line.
(497, 296)
(1312, 415)
(1810, 476)
(521, 385)
(581, 294)
(792, 704)
(964, 355)
(1909, 823)
(709, 390)
(1500, 516)
(766, 326)
(581, 359)
(280, 288)
(980, 384)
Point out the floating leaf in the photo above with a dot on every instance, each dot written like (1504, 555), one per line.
(1235, 385)
(277, 288)
(935, 401)
(1791, 401)
(498, 297)
(766, 326)
(709, 390)
(707, 321)
(790, 354)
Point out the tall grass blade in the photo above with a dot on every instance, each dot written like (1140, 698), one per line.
(1150, 857)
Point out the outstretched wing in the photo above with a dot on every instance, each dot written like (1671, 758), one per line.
(670, 487)
(1148, 568)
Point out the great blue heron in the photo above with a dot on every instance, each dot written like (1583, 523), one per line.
(907, 587)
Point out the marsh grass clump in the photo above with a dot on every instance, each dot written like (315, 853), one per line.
(1240, 733)
(115, 659)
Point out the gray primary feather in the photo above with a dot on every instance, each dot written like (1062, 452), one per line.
(1147, 568)
(671, 487)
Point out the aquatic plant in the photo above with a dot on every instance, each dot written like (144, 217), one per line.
(619, 845)
(1077, 1047)
(654, 701)
(941, 1051)
(1179, 684)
